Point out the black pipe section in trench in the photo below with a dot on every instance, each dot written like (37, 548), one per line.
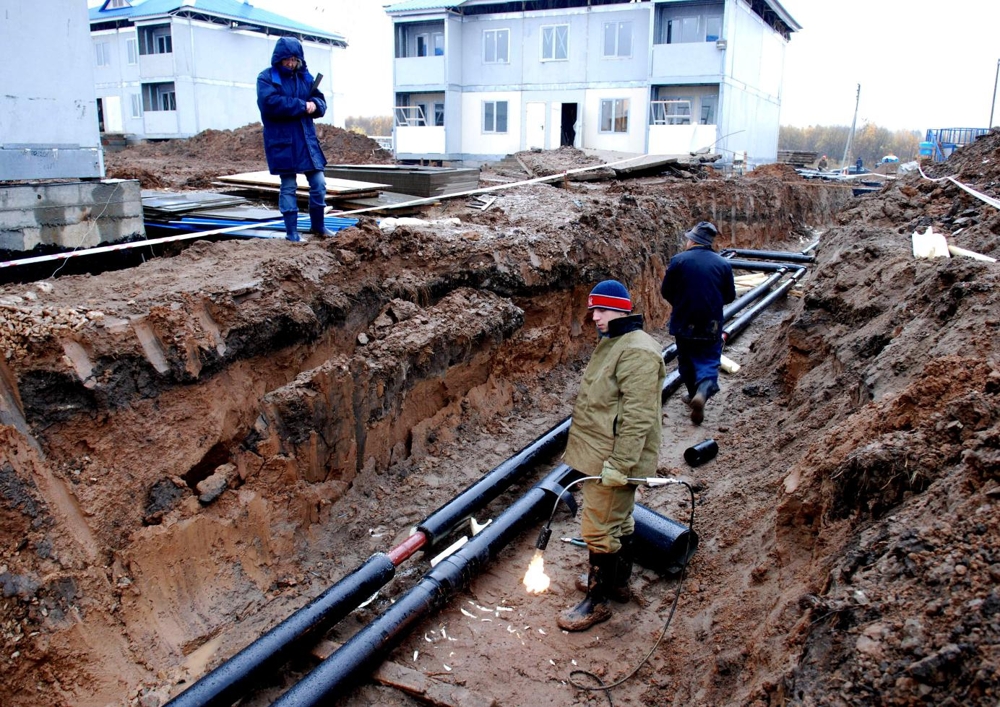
(771, 255)
(356, 658)
(228, 682)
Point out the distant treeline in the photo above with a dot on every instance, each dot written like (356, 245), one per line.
(871, 143)
(373, 126)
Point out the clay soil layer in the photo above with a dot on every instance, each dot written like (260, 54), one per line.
(194, 448)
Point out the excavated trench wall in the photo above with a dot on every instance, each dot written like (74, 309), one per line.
(221, 402)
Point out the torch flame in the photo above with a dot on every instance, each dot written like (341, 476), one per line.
(535, 579)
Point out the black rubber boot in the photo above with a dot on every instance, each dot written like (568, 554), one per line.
(595, 607)
(291, 226)
(619, 589)
(317, 223)
(698, 402)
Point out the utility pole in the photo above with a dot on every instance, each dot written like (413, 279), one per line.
(993, 104)
(850, 135)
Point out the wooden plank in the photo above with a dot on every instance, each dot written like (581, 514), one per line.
(333, 185)
(416, 683)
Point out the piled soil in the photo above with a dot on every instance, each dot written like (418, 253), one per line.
(196, 162)
(197, 447)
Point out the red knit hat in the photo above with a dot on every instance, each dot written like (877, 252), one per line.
(610, 294)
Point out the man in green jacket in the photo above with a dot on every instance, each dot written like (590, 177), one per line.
(615, 434)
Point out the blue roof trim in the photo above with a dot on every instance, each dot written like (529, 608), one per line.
(226, 9)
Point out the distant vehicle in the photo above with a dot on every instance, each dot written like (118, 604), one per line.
(889, 159)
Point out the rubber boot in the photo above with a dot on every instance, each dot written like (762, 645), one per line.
(291, 226)
(698, 402)
(595, 607)
(317, 223)
(619, 589)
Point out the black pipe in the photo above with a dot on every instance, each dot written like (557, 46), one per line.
(655, 537)
(764, 266)
(479, 494)
(228, 682)
(662, 544)
(733, 329)
(367, 647)
(772, 255)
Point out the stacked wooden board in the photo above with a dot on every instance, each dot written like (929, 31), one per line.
(267, 183)
(418, 181)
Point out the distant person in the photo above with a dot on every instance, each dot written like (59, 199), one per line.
(823, 162)
(697, 284)
(289, 102)
(860, 165)
(615, 434)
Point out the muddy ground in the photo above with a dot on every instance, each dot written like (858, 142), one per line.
(196, 447)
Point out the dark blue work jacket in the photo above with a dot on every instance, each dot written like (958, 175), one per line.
(698, 283)
(290, 142)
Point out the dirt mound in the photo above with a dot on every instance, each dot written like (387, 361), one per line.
(777, 169)
(195, 162)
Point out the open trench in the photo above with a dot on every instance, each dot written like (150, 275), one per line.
(196, 446)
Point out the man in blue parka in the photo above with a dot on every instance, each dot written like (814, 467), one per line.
(288, 104)
(698, 283)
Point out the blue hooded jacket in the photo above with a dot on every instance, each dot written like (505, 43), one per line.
(290, 142)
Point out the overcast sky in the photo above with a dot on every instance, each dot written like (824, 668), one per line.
(921, 63)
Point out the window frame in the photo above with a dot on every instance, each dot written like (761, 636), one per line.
(495, 34)
(493, 129)
(553, 30)
(618, 26)
(615, 118)
(136, 100)
(103, 54)
(132, 50)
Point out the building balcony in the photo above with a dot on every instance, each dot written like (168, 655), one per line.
(698, 61)
(425, 71)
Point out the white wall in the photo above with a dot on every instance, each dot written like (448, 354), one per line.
(47, 96)
(632, 141)
(474, 140)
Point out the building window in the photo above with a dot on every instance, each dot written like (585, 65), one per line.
(670, 111)
(496, 45)
(132, 50)
(159, 96)
(614, 115)
(680, 25)
(437, 39)
(618, 39)
(155, 40)
(422, 44)
(136, 105)
(555, 43)
(103, 50)
(439, 114)
(708, 105)
(494, 116)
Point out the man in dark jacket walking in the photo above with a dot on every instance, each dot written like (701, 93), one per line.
(698, 283)
(289, 102)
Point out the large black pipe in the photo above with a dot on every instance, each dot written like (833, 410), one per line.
(368, 647)
(228, 682)
(733, 328)
(478, 495)
(764, 266)
(772, 255)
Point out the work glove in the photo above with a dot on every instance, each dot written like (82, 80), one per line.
(610, 476)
